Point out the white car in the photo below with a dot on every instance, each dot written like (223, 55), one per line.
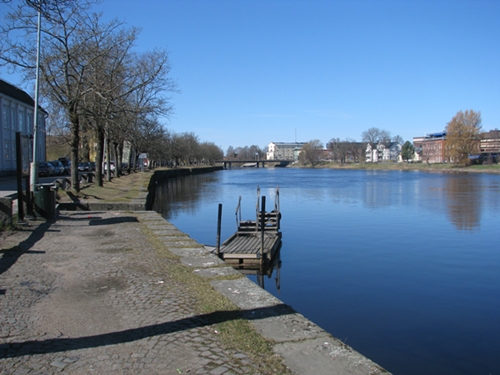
(112, 166)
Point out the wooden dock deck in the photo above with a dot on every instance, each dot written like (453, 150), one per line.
(249, 246)
(255, 241)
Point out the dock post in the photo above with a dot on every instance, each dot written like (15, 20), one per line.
(219, 220)
(262, 228)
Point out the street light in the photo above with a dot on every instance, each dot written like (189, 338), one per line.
(34, 163)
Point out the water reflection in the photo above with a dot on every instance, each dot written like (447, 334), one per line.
(258, 273)
(183, 193)
(464, 198)
(461, 196)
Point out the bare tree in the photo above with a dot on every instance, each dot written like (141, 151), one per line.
(230, 153)
(371, 135)
(210, 153)
(384, 136)
(63, 58)
(311, 152)
(44, 6)
(376, 135)
(126, 90)
(334, 146)
(245, 153)
(88, 68)
(398, 139)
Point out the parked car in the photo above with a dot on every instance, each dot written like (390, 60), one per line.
(45, 169)
(67, 164)
(112, 166)
(58, 167)
(82, 167)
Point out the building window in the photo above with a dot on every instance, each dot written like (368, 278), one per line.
(7, 149)
(29, 125)
(14, 149)
(13, 118)
(21, 121)
(5, 116)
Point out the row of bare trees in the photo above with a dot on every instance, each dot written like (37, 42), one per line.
(245, 153)
(346, 151)
(91, 75)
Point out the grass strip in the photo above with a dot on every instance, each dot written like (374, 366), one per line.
(234, 332)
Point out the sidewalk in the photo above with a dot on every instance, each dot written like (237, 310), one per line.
(128, 293)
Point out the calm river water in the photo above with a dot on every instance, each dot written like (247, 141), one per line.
(402, 266)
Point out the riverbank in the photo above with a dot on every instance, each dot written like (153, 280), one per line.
(126, 188)
(423, 167)
(127, 292)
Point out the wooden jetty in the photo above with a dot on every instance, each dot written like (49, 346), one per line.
(255, 241)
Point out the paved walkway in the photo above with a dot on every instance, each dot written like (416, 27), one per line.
(89, 294)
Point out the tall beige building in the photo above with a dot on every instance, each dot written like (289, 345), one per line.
(284, 150)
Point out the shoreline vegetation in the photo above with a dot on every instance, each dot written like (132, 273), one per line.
(424, 167)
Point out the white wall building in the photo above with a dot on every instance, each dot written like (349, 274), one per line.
(17, 113)
(284, 150)
(383, 152)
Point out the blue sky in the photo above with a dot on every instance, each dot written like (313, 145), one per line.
(253, 72)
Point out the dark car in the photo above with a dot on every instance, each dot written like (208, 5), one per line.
(58, 167)
(88, 166)
(82, 167)
(45, 169)
(67, 164)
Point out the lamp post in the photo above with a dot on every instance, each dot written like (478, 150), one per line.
(34, 163)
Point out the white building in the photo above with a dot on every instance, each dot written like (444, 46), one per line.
(383, 152)
(17, 113)
(284, 150)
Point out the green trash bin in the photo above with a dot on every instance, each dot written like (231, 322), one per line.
(45, 200)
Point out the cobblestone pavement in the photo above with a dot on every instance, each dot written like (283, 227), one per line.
(86, 294)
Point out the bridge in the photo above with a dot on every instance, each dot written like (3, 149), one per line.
(228, 164)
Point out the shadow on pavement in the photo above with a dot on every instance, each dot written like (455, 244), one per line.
(114, 220)
(10, 256)
(17, 349)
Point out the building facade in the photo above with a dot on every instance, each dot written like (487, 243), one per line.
(432, 146)
(284, 150)
(417, 146)
(17, 115)
(490, 142)
(383, 152)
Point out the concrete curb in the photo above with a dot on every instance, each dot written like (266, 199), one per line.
(305, 347)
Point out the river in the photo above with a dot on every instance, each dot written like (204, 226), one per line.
(402, 266)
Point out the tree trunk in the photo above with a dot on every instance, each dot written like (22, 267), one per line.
(75, 143)
(108, 158)
(120, 155)
(99, 157)
(118, 167)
